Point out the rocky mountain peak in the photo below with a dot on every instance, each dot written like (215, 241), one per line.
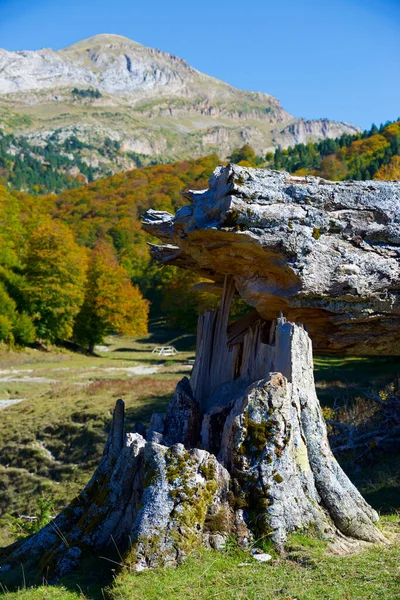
(101, 39)
(150, 102)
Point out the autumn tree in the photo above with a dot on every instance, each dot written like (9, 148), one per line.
(390, 172)
(332, 168)
(245, 157)
(55, 270)
(111, 302)
(16, 327)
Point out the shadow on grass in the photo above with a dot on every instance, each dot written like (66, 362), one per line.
(143, 413)
(379, 481)
(360, 370)
(94, 574)
(339, 378)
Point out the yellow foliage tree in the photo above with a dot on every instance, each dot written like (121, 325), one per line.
(111, 302)
(390, 172)
(55, 270)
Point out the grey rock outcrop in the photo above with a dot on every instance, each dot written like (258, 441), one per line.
(324, 253)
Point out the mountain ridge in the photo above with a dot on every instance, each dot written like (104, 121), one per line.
(148, 101)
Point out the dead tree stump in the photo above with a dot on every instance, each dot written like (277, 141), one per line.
(243, 451)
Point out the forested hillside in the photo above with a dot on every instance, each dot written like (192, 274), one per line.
(61, 162)
(373, 154)
(64, 259)
(51, 288)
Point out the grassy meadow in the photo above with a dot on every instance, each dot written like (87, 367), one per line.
(51, 441)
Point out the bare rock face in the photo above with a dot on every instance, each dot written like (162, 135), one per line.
(324, 253)
(148, 98)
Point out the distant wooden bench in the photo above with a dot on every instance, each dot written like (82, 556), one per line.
(165, 350)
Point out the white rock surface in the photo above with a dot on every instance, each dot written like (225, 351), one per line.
(263, 557)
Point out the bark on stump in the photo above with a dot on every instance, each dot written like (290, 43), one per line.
(243, 450)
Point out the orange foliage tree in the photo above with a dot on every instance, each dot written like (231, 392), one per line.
(111, 302)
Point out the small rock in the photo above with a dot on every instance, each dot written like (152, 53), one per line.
(262, 557)
(217, 541)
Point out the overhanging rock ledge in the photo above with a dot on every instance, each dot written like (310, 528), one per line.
(325, 253)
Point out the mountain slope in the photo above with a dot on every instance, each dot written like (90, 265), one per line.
(150, 102)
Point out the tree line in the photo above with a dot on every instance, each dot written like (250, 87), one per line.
(88, 93)
(373, 154)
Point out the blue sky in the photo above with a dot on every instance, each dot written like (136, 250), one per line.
(323, 58)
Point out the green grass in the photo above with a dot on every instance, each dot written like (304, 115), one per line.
(308, 572)
(43, 593)
(370, 575)
(52, 441)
